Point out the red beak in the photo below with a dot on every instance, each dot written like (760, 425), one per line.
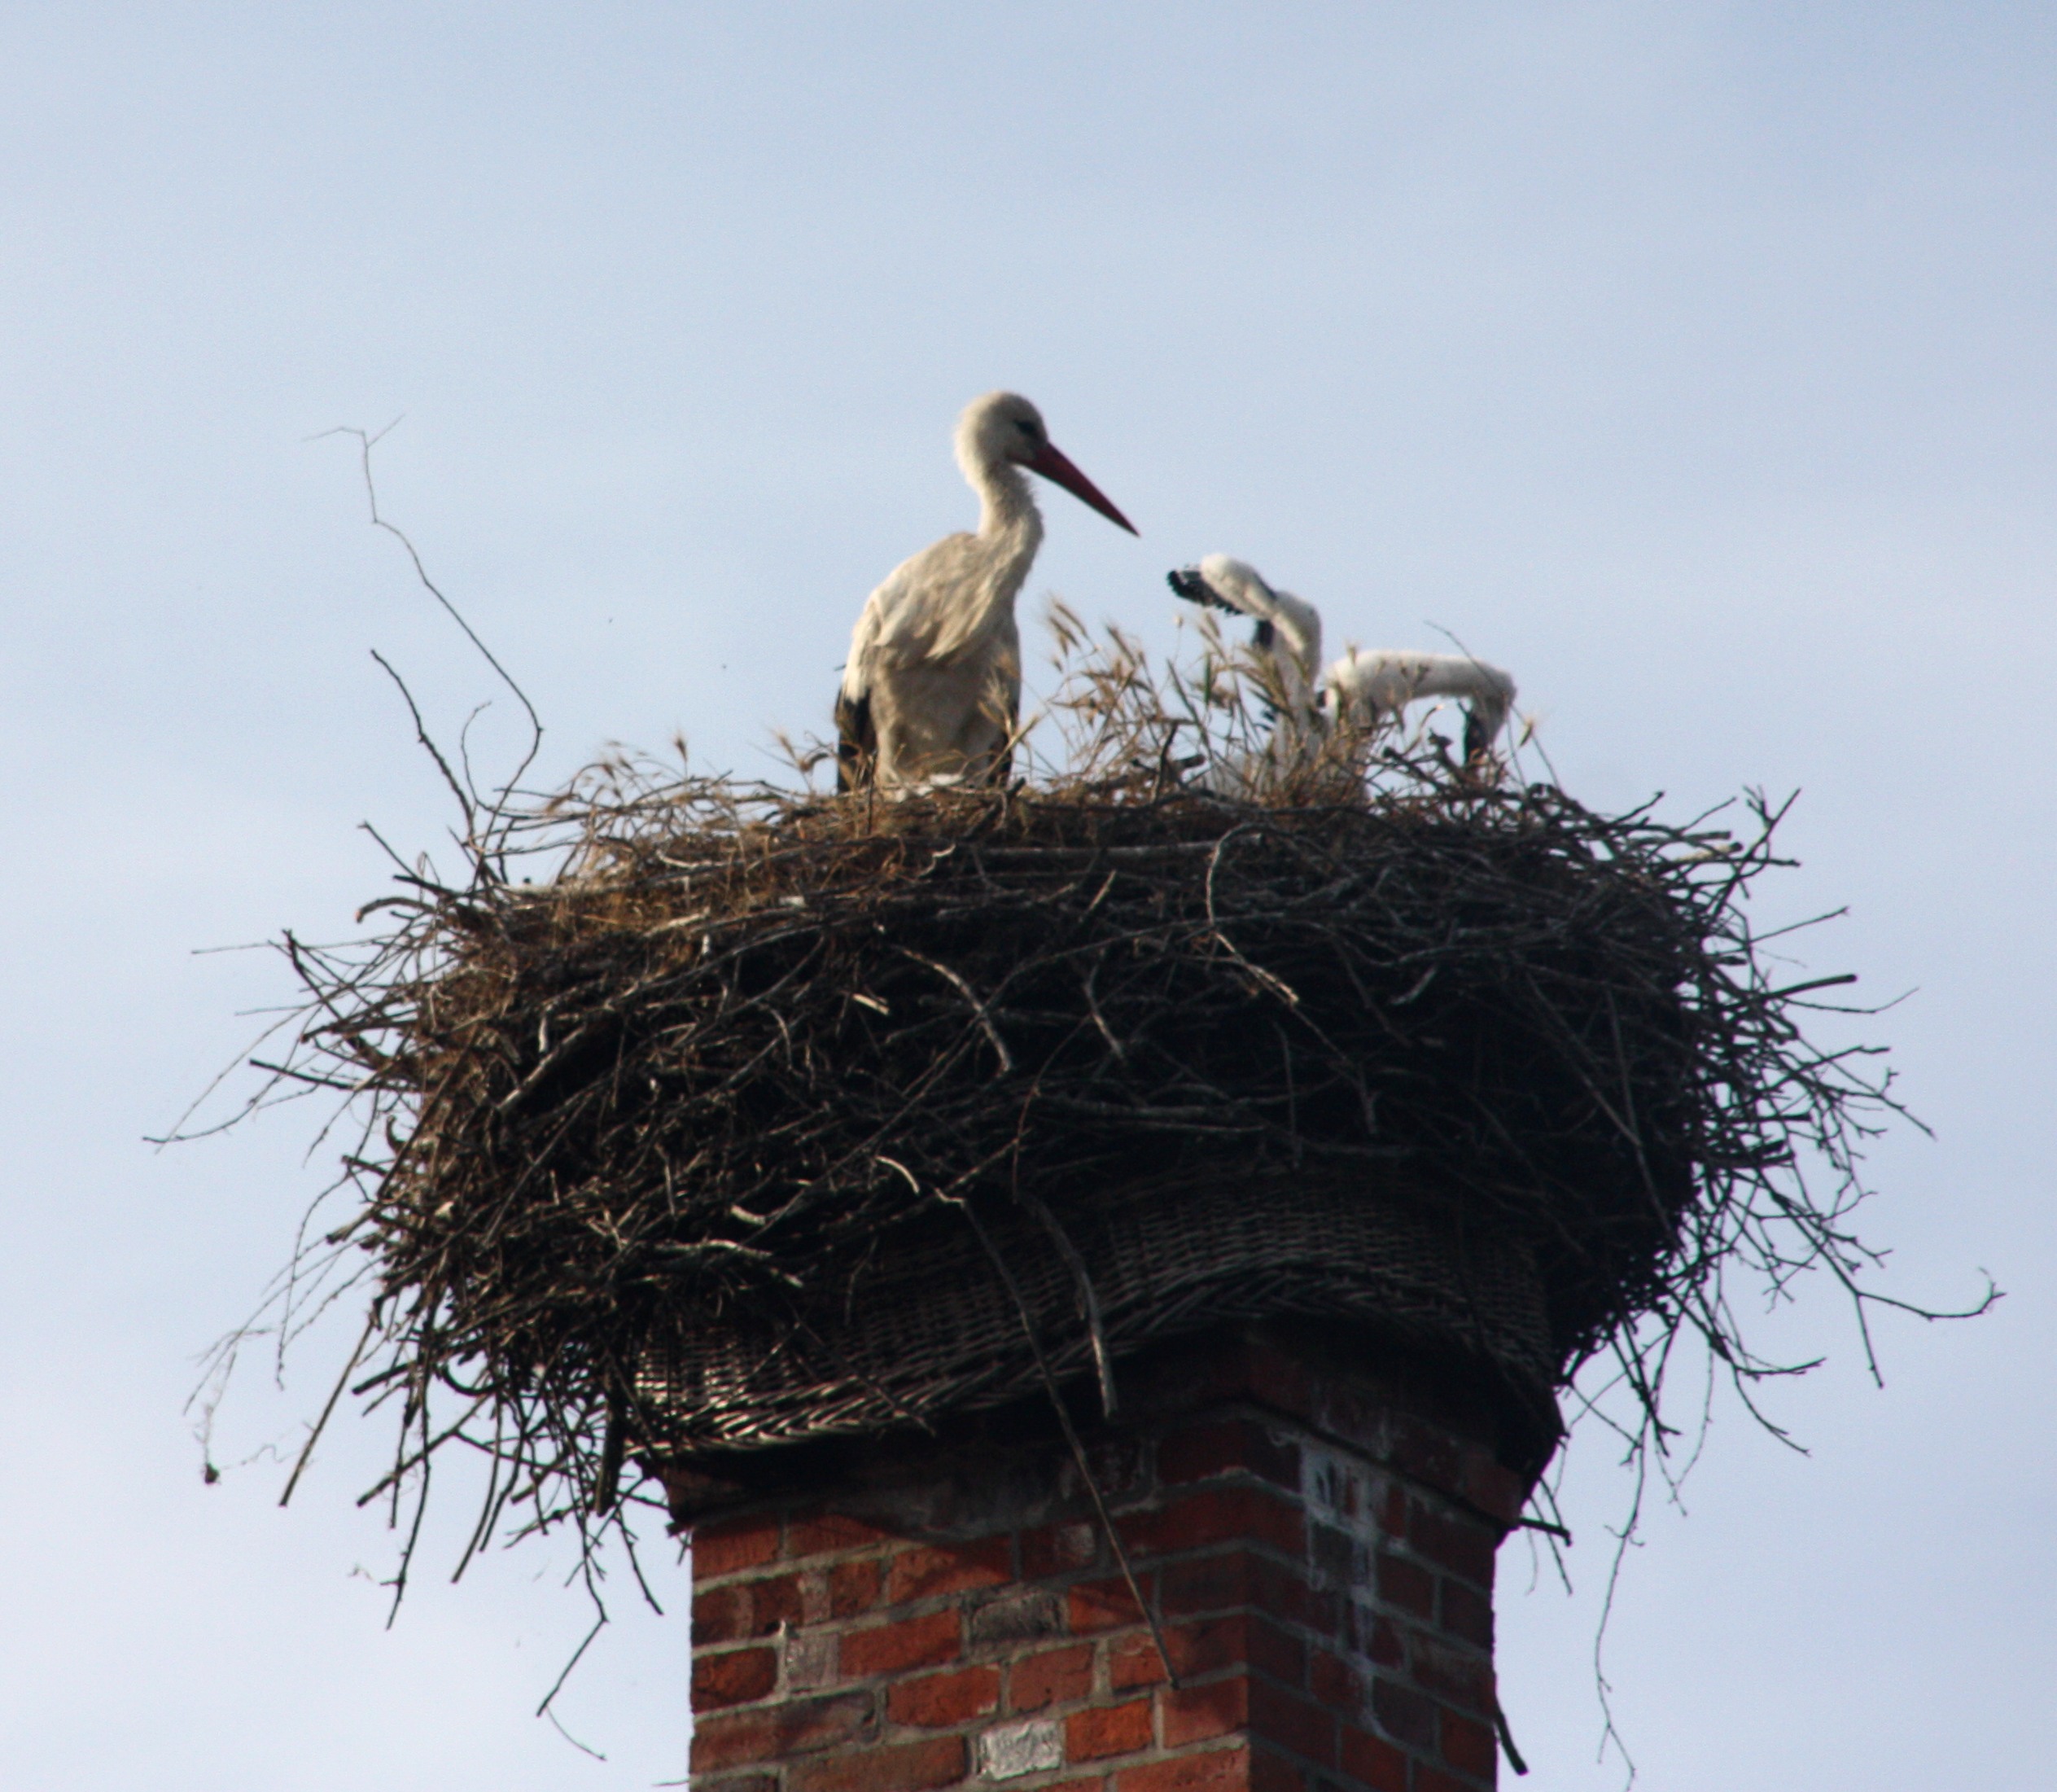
(1060, 471)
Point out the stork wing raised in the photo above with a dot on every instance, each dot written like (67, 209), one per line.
(1191, 585)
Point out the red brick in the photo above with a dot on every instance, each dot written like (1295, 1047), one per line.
(938, 1701)
(1337, 1556)
(1276, 1378)
(1133, 1662)
(1108, 1730)
(1330, 1680)
(1403, 1713)
(1214, 1582)
(1271, 1773)
(1463, 1545)
(1469, 1747)
(733, 1544)
(735, 1676)
(853, 1587)
(911, 1767)
(775, 1600)
(1055, 1677)
(1239, 1638)
(1461, 1677)
(1467, 1614)
(1293, 1723)
(1203, 1452)
(1494, 1488)
(1101, 1605)
(1355, 1415)
(1058, 1548)
(743, 1782)
(823, 1532)
(1215, 1770)
(721, 1615)
(893, 1649)
(1232, 1514)
(1430, 1779)
(1198, 1714)
(1426, 1454)
(1239, 1577)
(923, 1573)
(1388, 1644)
(1373, 1763)
(1407, 1584)
(772, 1731)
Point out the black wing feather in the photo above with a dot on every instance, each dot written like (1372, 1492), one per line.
(857, 742)
(1189, 584)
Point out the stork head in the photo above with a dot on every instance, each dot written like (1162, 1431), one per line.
(1004, 429)
(1289, 629)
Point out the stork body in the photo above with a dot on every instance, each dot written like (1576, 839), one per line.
(932, 689)
(1365, 690)
(1359, 694)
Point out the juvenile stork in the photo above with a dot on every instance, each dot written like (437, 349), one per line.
(933, 684)
(1287, 637)
(1362, 692)
(1289, 629)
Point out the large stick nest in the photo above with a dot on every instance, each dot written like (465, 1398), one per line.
(739, 1048)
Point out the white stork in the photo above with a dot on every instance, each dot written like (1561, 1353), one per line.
(1287, 636)
(1361, 692)
(1289, 629)
(1364, 690)
(934, 682)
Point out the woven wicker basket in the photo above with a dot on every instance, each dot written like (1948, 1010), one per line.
(933, 1328)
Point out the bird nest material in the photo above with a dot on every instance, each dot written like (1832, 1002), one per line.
(639, 1144)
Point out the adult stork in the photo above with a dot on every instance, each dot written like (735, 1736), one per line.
(933, 685)
(1362, 692)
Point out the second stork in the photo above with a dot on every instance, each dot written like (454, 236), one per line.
(1362, 692)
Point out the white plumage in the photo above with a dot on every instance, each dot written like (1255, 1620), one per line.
(1360, 693)
(933, 685)
(1365, 691)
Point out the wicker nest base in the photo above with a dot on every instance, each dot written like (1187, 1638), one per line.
(938, 1327)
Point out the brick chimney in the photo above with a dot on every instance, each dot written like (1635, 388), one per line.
(1311, 1521)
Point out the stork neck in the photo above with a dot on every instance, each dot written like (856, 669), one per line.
(1006, 505)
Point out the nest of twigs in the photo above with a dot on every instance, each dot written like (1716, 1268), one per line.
(739, 1056)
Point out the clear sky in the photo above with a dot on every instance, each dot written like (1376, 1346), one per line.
(1696, 361)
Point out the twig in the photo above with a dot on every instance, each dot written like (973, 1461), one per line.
(328, 1407)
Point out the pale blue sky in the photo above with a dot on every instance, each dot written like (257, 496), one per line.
(1696, 361)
